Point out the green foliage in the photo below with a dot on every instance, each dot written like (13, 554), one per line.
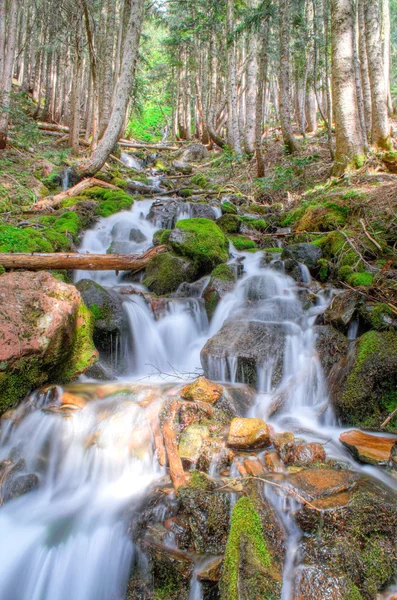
(200, 180)
(119, 182)
(148, 125)
(240, 242)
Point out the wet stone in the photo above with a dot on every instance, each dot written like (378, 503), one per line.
(202, 390)
(283, 442)
(367, 448)
(248, 433)
(317, 483)
(306, 454)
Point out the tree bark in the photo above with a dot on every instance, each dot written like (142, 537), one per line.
(232, 122)
(122, 95)
(349, 141)
(86, 262)
(251, 93)
(263, 62)
(365, 83)
(285, 102)
(8, 57)
(53, 202)
(380, 120)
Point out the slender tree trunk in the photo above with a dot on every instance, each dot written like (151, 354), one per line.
(285, 103)
(251, 94)
(233, 128)
(124, 89)
(263, 63)
(357, 75)
(349, 141)
(211, 120)
(365, 82)
(385, 6)
(380, 121)
(8, 68)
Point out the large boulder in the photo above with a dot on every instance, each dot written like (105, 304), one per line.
(202, 211)
(107, 308)
(166, 272)
(45, 333)
(363, 384)
(202, 241)
(367, 448)
(165, 213)
(308, 254)
(240, 348)
(195, 153)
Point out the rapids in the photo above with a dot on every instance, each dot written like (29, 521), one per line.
(70, 539)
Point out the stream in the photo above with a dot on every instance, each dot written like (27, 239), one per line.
(70, 539)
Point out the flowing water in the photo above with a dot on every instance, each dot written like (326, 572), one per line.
(71, 537)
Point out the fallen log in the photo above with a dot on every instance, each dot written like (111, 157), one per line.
(54, 201)
(128, 144)
(75, 261)
(177, 473)
(135, 186)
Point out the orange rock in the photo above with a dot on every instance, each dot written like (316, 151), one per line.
(254, 467)
(202, 390)
(306, 454)
(273, 464)
(248, 433)
(283, 442)
(318, 483)
(368, 448)
(72, 400)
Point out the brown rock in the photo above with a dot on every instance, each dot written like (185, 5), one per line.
(248, 433)
(254, 467)
(314, 582)
(212, 572)
(306, 454)
(72, 400)
(283, 442)
(202, 390)
(368, 448)
(273, 464)
(317, 483)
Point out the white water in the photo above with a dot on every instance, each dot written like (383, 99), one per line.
(69, 539)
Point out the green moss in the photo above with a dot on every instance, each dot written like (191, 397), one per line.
(273, 250)
(363, 279)
(14, 239)
(324, 269)
(228, 208)
(162, 236)
(223, 272)
(254, 224)
(229, 223)
(97, 312)
(52, 181)
(82, 354)
(240, 242)
(344, 272)
(359, 161)
(68, 223)
(203, 242)
(245, 530)
(378, 316)
(353, 593)
(200, 180)
(109, 201)
(166, 272)
(25, 376)
(119, 182)
(186, 193)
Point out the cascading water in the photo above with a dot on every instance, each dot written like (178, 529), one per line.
(70, 537)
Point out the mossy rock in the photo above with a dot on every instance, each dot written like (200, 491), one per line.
(251, 224)
(378, 315)
(110, 202)
(241, 243)
(161, 236)
(202, 241)
(364, 386)
(228, 208)
(166, 272)
(229, 223)
(221, 283)
(15, 239)
(248, 570)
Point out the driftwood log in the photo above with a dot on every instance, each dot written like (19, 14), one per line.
(86, 262)
(55, 201)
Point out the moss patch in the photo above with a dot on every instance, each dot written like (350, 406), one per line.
(223, 272)
(202, 241)
(166, 272)
(240, 242)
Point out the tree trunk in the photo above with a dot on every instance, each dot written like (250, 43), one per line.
(349, 141)
(365, 83)
(385, 7)
(380, 121)
(7, 60)
(357, 75)
(75, 262)
(251, 93)
(122, 96)
(285, 102)
(263, 63)
(232, 122)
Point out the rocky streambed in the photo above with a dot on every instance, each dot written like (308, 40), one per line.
(211, 450)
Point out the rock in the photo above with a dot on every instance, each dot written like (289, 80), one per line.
(308, 254)
(314, 582)
(18, 486)
(229, 223)
(121, 248)
(254, 467)
(212, 572)
(250, 568)
(363, 384)
(191, 290)
(137, 236)
(248, 433)
(342, 310)
(165, 273)
(378, 315)
(164, 213)
(182, 167)
(240, 347)
(332, 346)
(45, 334)
(236, 400)
(202, 211)
(319, 483)
(202, 241)
(170, 569)
(202, 390)
(195, 153)
(356, 541)
(73, 400)
(272, 463)
(283, 442)
(367, 448)
(222, 282)
(191, 442)
(107, 308)
(306, 454)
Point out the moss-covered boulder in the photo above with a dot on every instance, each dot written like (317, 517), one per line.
(166, 272)
(363, 385)
(250, 571)
(107, 309)
(202, 241)
(222, 282)
(354, 542)
(45, 334)
(229, 223)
